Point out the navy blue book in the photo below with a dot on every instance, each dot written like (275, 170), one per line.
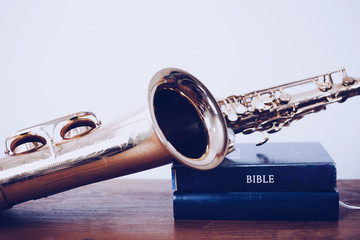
(257, 206)
(280, 167)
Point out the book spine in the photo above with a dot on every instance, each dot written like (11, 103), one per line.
(298, 178)
(257, 206)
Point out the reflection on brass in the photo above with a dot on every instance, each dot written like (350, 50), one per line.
(182, 122)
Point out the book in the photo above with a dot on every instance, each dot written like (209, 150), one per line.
(257, 206)
(281, 167)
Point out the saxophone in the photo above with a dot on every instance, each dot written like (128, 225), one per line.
(182, 122)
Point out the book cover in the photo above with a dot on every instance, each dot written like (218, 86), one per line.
(257, 206)
(271, 167)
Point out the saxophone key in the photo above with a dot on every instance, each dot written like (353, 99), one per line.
(232, 116)
(241, 109)
(284, 97)
(274, 129)
(229, 113)
(268, 107)
(267, 98)
(265, 138)
(248, 131)
(347, 81)
(325, 86)
(224, 109)
(258, 104)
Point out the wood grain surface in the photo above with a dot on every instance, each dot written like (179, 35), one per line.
(142, 209)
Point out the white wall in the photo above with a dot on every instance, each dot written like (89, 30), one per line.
(59, 57)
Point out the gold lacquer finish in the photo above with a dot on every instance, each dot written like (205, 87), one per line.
(182, 121)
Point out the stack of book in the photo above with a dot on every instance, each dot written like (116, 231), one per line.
(275, 181)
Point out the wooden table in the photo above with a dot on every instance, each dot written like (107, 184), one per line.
(142, 209)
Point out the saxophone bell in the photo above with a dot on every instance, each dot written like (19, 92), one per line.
(187, 119)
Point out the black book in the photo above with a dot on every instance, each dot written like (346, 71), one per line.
(272, 167)
(257, 205)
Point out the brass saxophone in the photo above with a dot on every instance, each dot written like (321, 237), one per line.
(182, 121)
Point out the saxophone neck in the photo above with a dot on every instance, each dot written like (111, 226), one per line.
(269, 110)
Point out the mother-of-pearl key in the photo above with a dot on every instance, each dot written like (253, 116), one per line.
(229, 111)
(257, 103)
(267, 99)
(232, 116)
(240, 108)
